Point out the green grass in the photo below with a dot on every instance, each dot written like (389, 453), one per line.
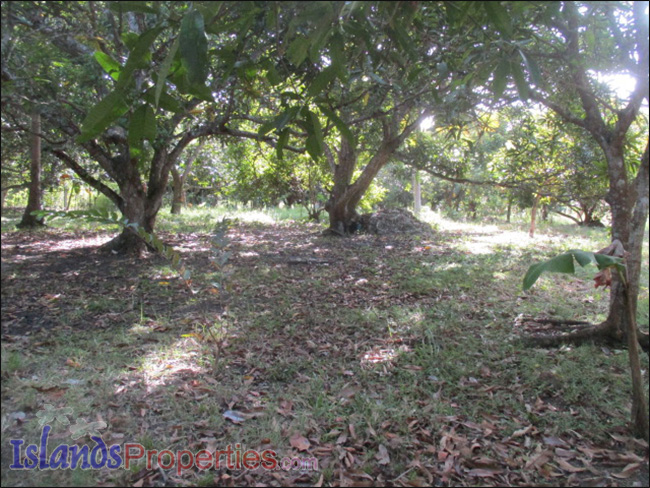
(397, 339)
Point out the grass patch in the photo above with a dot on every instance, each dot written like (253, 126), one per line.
(394, 347)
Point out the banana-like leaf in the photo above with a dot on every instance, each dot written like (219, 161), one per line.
(565, 263)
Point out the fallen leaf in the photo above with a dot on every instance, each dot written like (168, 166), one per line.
(554, 441)
(299, 442)
(520, 432)
(234, 416)
(628, 471)
(72, 362)
(382, 455)
(538, 461)
(319, 483)
(566, 466)
(484, 473)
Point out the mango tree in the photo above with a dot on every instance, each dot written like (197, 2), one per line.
(357, 79)
(129, 83)
(569, 51)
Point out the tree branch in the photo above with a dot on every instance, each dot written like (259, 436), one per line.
(88, 178)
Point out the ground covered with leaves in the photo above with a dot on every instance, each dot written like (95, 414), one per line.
(386, 360)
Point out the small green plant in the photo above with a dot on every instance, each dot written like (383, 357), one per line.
(564, 263)
(220, 254)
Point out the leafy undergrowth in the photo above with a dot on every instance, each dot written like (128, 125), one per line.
(389, 361)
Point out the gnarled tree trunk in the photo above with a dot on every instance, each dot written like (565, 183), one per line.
(345, 195)
(138, 209)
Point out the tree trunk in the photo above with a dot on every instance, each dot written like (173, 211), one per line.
(545, 213)
(509, 213)
(139, 205)
(179, 196)
(4, 198)
(65, 197)
(417, 194)
(344, 198)
(639, 404)
(178, 192)
(345, 195)
(34, 200)
(533, 216)
(629, 205)
(133, 209)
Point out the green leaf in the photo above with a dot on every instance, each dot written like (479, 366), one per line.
(339, 124)
(272, 74)
(584, 258)
(109, 65)
(266, 128)
(102, 115)
(559, 264)
(500, 79)
(317, 131)
(129, 39)
(322, 80)
(139, 56)
(314, 143)
(314, 148)
(337, 54)
(533, 69)
(414, 74)
(164, 71)
(402, 37)
(564, 263)
(297, 51)
(208, 9)
(319, 37)
(142, 126)
(520, 81)
(194, 47)
(499, 17)
(166, 101)
(604, 261)
(282, 141)
(140, 7)
(202, 92)
(285, 117)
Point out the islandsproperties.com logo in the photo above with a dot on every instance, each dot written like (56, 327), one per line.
(115, 456)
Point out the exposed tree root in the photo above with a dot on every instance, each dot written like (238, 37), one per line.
(602, 333)
(565, 323)
(30, 222)
(333, 232)
(128, 243)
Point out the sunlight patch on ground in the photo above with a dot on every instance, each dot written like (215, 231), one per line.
(158, 368)
(486, 244)
(70, 244)
(378, 356)
(485, 238)
(253, 216)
